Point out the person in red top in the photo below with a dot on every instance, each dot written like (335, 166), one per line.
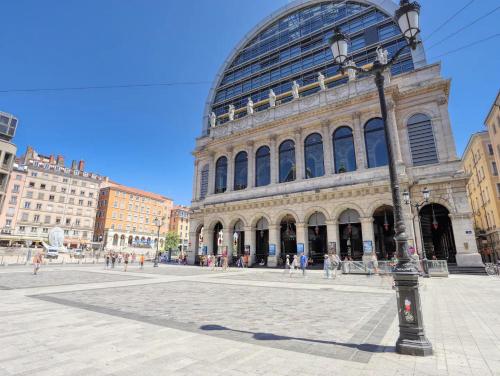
(37, 262)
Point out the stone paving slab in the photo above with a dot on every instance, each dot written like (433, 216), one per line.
(327, 323)
(22, 280)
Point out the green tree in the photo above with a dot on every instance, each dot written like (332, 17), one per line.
(172, 241)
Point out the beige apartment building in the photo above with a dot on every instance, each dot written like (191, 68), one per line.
(45, 193)
(8, 127)
(492, 122)
(10, 210)
(128, 219)
(179, 223)
(483, 190)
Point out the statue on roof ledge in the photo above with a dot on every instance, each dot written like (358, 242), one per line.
(295, 90)
(321, 80)
(382, 55)
(351, 72)
(250, 107)
(231, 112)
(213, 119)
(272, 98)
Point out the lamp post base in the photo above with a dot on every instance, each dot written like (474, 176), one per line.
(415, 347)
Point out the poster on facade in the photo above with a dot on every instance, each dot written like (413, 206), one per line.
(367, 247)
(272, 249)
(205, 250)
(332, 248)
(300, 248)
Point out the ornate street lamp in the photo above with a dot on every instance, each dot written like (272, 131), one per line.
(158, 223)
(412, 339)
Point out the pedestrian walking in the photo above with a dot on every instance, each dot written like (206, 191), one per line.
(327, 266)
(113, 260)
(303, 263)
(133, 258)
(335, 262)
(374, 261)
(125, 262)
(287, 263)
(37, 262)
(107, 261)
(294, 264)
(141, 261)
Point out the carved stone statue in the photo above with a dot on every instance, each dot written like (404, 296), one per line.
(295, 90)
(213, 119)
(231, 112)
(272, 98)
(382, 55)
(250, 106)
(351, 72)
(321, 80)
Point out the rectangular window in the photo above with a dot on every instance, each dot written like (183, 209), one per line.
(8, 222)
(58, 221)
(490, 149)
(15, 189)
(43, 186)
(22, 228)
(34, 229)
(38, 206)
(13, 200)
(47, 219)
(27, 205)
(494, 168)
(498, 189)
(29, 194)
(68, 221)
(52, 197)
(80, 202)
(45, 230)
(36, 218)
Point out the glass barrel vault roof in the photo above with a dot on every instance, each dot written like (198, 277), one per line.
(292, 45)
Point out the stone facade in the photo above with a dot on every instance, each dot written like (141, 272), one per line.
(364, 190)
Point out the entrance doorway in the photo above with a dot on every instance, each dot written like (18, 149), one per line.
(437, 233)
(217, 233)
(317, 237)
(261, 241)
(383, 229)
(351, 239)
(238, 239)
(288, 238)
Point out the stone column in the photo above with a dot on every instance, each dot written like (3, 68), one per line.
(274, 159)
(196, 174)
(393, 125)
(227, 241)
(359, 141)
(250, 240)
(192, 250)
(230, 170)
(251, 165)
(299, 155)
(327, 147)
(208, 240)
(332, 230)
(367, 231)
(301, 228)
(211, 174)
(465, 240)
(274, 238)
(447, 140)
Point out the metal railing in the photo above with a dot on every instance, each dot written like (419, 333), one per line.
(435, 268)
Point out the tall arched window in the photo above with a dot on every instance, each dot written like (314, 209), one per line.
(422, 143)
(204, 182)
(240, 170)
(376, 147)
(343, 149)
(287, 161)
(262, 166)
(313, 156)
(221, 175)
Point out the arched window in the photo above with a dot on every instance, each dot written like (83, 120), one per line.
(313, 156)
(240, 170)
(221, 175)
(204, 182)
(422, 143)
(376, 147)
(262, 166)
(287, 161)
(115, 239)
(343, 149)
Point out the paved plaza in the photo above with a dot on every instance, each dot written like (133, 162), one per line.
(181, 320)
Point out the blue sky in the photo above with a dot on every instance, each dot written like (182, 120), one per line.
(143, 137)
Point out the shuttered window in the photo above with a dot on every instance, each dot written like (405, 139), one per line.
(204, 182)
(422, 143)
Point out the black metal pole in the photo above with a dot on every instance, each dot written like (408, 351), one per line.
(412, 340)
(157, 248)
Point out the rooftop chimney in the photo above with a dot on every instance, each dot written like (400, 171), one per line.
(60, 160)
(52, 160)
(81, 165)
(73, 165)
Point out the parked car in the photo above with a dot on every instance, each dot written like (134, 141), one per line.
(78, 254)
(52, 254)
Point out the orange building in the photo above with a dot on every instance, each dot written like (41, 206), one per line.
(127, 219)
(179, 223)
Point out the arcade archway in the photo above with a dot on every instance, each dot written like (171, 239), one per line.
(383, 230)
(288, 237)
(317, 237)
(437, 233)
(351, 239)
(261, 241)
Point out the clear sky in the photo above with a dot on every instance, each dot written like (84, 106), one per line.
(143, 137)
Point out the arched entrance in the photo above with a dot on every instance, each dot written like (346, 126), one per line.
(261, 241)
(130, 240)
(351, 239)
(317, 237)
(437, 233)
(288, 237)
(383, 229)
(198, 244)
(216, 235)
(238, 239)
(122, 241)
(115, 240)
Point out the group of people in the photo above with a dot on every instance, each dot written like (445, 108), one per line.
(112, 258)
(215, 261)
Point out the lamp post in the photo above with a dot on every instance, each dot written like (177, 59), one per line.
(417, 205)
(412, 339)
(158, 223)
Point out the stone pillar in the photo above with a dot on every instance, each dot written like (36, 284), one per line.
(359, 141)
(367, 232)
(465, 240)
(393, 126)
(192, 250)
(230, 170)
(274, 238)
(208, 240)
(301, 228)
(211, 174)
(251, 165)
(327, 148)
(274, 159)
(332, 229)
(227, 241)
(299, 155)
(448, 142)
(196, 185)
(250, 240)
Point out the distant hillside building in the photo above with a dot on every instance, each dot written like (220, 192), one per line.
(8, 127)
(179, 223)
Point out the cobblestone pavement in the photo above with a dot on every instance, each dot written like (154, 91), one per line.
(185, 321)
